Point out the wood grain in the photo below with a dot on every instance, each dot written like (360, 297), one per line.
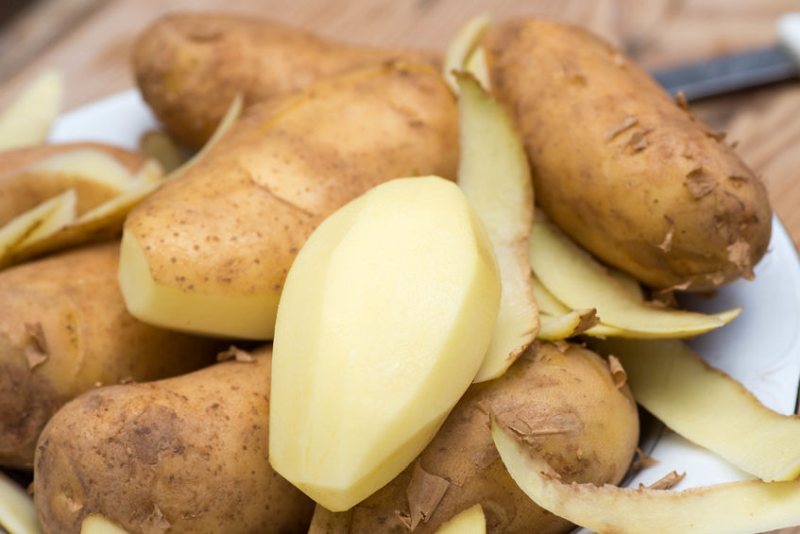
(766, 123)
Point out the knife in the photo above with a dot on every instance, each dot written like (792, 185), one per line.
(734, 72)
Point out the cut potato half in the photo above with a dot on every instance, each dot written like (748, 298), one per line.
(385, 318)
(17, 513)
(470, 521)
(28, 120)
(736, 507)
(461, 48)
(16, 231)
(709, 408)
(99, 524)
(579, 281)
(494, 175)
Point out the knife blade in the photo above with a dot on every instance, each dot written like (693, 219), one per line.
(735, 72)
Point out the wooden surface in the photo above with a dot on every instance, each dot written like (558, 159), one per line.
(91, 41)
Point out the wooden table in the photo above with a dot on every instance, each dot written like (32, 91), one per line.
(91, 41)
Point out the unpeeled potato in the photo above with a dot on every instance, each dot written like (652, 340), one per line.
(562, 401)
(619, 166)
(63, 330)
(189, 66)
(209, 252)
(187, 454)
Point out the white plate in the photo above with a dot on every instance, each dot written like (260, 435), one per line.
(761, 348)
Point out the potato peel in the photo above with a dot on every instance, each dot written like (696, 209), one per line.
(494, 175)
(13, 233)
(462, 47)
(579, 281)
(736, 507)
(709, 408)
(27, 121)
(17, 514)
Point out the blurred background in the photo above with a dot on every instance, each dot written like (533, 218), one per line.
(90, 40)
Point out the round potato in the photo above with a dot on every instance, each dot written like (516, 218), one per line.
(561, 400)
(620, 167)
(190, 66)
(187, 454)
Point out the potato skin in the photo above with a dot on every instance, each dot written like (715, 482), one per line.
(189, 66)
(622, 168)
(73, 301)
(19, 192)
(232, 224)
(563, 402)
(187, 453)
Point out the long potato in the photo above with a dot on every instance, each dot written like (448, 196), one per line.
(209, 251)
(63, 330)
(625, 171)
(189, 66)
(187, 454)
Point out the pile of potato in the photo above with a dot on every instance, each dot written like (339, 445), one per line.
(344, 314)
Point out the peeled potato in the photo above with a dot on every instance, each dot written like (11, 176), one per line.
(384, 322)
(17, 513)
(470, 521)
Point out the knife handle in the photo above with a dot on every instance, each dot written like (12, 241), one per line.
(789, 34)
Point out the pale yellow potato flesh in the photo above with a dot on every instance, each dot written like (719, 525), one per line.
(731, 508)
(494, 175)
(13, 233)
(27, 121)
(383, 323)
(470, 521)
(236, 315)
(579, 281)
(17, 514)
(709, 408)
(461, 48)
(572, 323)
(99, 524)
(62, 216)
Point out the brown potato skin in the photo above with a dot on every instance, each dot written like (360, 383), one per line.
(638, 198)
(189, 66)
(233, 223)
(188, 452)
(20, 191)
(568, 388)
(90, 338)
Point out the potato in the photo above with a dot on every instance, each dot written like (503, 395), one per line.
(28, 177)
(187, 454)
(620, 167)
(63, 329)
(563, 403)
(384, 322)
(189, 66)
(209, 252)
